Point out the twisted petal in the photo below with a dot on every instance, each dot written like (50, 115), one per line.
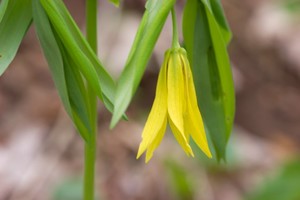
(155, 143)
(181, 139)
(156, 122)
(193, 121)
(176, 101)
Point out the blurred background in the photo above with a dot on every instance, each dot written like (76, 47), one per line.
(41, 156)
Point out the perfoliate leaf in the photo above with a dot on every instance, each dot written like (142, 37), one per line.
(51, 51)
(206, 39)
(115, 2)
(216, 9)
(15, 18)
(76, 90)
(3, 6)
(150, 27)
(67, 78)
(80, 52)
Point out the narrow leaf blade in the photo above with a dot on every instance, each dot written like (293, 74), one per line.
(80, 52)
(215, 8)
(3, 6)
(115, 2)
(16, 17)
(206, 47)
(150, 27)
(68, 83)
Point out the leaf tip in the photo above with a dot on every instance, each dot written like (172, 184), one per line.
(115, 2)
(114, 122)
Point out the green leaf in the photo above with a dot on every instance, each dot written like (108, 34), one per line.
(80, 51)
(150, 27)
(67, 79)
(3, 6)
(71, 189)
(181, 181)
(223, 65)
(115, 2)
(219, 15)
(51, 51)
(15, 18)
(206, 47)
(76, 91)
(283, 186)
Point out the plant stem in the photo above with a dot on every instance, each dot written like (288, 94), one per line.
(90, 148)
(175, 40)
(91, 23)
(89, 170)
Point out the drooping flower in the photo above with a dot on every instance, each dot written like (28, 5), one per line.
(175, 102)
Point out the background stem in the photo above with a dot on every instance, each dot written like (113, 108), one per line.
(91, 147)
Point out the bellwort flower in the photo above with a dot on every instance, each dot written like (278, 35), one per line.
(176, 103)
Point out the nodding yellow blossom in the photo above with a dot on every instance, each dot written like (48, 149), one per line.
(175, 102)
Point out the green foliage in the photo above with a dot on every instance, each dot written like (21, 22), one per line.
(284, 186)
(213, 165)
(115, 2)
(292, 6)
(79, 51)
(15, 18)
(206, 36)
(71, 61)
(3, 6)
(66, 75)
(69, 190)
(150, 27)
(180, 180)
(216, 9)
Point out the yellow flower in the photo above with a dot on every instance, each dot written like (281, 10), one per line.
(175, 102)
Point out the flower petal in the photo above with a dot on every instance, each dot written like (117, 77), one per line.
(156, 141)
(176, 101)
(181, 139)
(175, 91)
(158, 113)
(193, 121)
